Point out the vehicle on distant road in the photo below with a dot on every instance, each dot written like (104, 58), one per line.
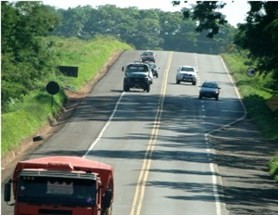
(186, 74)
(209, 89)
(137, 75)
(61, 185)
(153, 67)
(148, 56)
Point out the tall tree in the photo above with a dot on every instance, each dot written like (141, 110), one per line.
(260, 36)
(25, 58)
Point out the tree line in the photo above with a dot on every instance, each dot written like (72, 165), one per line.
(145, 29)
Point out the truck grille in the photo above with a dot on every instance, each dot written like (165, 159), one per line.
(137, 80)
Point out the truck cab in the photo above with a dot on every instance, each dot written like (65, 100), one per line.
(61, 185)
(137, 75)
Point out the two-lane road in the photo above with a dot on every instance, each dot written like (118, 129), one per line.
(157, 142)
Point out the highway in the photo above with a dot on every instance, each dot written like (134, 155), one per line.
(158, 142)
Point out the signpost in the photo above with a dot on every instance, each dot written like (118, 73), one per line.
(52, 88)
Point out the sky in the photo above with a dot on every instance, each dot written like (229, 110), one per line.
(235, 11)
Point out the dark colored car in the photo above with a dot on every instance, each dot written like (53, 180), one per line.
(148, 56)
(209, 89)
(153, 67)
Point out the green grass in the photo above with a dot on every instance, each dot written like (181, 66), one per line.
(273, 168)
(34, 111)
(88, 56)
(255, 92)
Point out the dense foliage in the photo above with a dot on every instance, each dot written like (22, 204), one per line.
(144, 29)
(26, 60)
(260, 36)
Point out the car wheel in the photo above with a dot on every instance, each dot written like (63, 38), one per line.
(216, 97)
(193, 83)
(200, 96)
(177, 82)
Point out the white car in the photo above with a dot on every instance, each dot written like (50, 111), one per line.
(186, 74)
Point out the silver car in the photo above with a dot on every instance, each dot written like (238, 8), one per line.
(186, 74)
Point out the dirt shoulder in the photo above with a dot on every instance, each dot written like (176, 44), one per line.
(9, 160)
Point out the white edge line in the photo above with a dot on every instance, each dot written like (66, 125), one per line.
(93, 144)
(240, 100)
(213, 166)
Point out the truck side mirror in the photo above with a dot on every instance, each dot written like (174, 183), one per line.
(7, 191)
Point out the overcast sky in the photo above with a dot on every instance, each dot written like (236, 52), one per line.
(235, 11)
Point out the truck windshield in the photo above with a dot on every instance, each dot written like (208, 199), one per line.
(61, 191)
(137, 68)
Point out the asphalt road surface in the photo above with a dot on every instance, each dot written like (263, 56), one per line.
(172, 153)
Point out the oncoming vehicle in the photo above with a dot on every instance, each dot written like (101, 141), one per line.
(61, 185)
(137, 75)
(148, 56)
(209, 89)
(186, 74)
(153, 67)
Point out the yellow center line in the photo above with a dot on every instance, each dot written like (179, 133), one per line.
(144, 172)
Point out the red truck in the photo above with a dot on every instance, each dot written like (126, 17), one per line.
(61, 185)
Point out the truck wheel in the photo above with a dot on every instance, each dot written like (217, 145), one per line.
(126, 88)
(147, 89)
(107, 211)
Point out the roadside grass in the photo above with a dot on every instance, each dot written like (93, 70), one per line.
(255, 92)
(35, 112)
(273, 168)
(37, 108)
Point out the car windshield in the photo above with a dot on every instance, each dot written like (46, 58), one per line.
(148, 53)
(137, 68)
(187, 69)
(210, 85)
(63, 191)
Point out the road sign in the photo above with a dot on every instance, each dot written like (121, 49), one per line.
(71, 71)
(251, 72)
(52, 88)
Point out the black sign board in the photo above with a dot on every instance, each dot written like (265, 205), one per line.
(71, 71)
